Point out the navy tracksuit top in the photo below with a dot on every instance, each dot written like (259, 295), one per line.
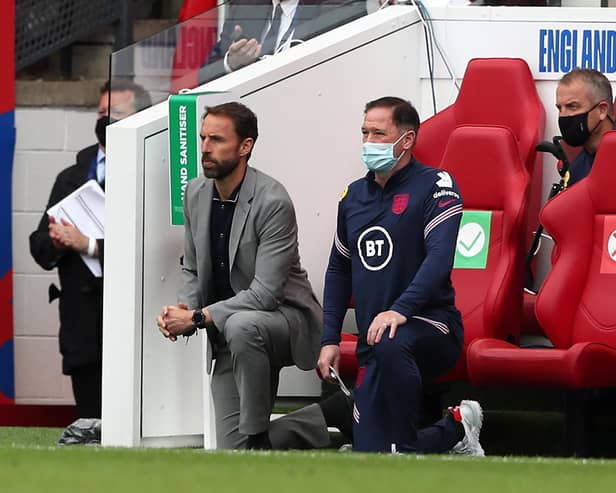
(393, 250)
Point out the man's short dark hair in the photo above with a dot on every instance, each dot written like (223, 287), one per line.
(403, 114)
(598, 85)
(142, 97)
(244, 120)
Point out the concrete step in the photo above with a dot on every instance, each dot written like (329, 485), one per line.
(58, 93)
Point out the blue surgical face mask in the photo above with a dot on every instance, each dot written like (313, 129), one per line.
(379, 157)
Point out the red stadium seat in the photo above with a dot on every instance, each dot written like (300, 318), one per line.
(494, 91)
(487, 167)
(348, 362)
(575, 306)
(530, 324)
(491, 177)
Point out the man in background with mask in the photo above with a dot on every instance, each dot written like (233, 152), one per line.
(585, 112)
(61, 245)
(393, 251)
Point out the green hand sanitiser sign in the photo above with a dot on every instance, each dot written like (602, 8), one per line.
(183, 150)
(185, 116)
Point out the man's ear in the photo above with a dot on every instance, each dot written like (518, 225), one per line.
(246, 146)
(604, 107)
(409, 140)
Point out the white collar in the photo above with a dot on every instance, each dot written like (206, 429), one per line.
(100, 155)
(288, 6)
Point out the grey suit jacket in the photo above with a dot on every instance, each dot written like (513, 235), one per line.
(265, 270)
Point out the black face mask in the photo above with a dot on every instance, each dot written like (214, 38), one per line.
(574, 128)
(100, 129)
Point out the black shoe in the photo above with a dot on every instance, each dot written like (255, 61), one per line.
(260, 441)
(337, 410)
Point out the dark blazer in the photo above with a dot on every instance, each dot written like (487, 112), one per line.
(311, 19)
(81, 294)
(265, 270)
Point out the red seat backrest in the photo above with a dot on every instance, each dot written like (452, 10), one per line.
(577, 302)
(494, 91)
(486, 165)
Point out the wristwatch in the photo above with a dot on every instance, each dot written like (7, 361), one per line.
(198, 319)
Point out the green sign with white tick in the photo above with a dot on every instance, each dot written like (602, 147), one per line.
(473, 240)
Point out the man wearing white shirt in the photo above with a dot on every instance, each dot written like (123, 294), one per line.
(61, 245)
(276, 35)
(257, 28)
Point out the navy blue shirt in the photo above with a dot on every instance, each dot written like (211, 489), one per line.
(221, 218)
(581, 165)
(393, 249)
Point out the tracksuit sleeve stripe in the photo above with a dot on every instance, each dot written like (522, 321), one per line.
(343, 250)
(442, 217)
(439, 325)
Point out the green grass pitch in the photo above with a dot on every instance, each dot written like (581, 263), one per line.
(30, 462)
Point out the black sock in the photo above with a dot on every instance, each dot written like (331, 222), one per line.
(260, 441)
(337, 410)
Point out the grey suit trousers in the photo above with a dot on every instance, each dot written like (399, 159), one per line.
(254, 346)
(301, 429)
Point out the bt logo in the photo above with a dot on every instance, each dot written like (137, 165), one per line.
(375, 248)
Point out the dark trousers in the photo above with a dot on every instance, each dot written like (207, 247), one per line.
(389, 393)
(87, 388)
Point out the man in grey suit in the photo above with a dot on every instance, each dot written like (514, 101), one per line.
(243, 282)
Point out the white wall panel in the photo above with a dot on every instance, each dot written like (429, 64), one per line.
(310, 108)
(38, 372)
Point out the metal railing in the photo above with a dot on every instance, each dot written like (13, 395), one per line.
(43, 27)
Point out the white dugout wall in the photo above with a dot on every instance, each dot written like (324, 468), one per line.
(309, 102)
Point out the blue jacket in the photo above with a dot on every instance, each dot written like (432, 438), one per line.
(393, 249)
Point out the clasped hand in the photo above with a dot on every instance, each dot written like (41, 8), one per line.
(174, 321)
(65, 235)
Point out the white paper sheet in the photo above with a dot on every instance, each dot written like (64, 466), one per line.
(85, 209)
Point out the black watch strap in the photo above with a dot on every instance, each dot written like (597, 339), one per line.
(198, 319)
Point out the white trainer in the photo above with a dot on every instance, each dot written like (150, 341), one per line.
(471, 416)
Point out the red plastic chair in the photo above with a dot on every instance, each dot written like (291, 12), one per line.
(530, 324)
(494, 91)
(575, 306)
(491, 177)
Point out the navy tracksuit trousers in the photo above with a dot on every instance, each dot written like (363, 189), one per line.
(389, 391)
